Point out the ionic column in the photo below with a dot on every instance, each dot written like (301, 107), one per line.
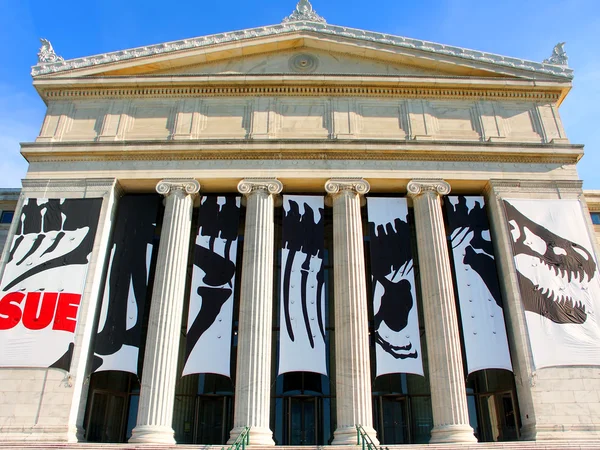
(352, 365)
(446, 374)
(253, 375)
(157, 394)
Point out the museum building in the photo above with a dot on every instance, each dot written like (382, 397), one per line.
(304, 232)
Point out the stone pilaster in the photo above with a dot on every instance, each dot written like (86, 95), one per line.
(446, 373)
(253, 376)
(352, 365)
(157, 395)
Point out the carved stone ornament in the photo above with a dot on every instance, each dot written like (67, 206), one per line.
(418, 187)
(559, 56)
(248, 185)
(303, 19)
(358, 185)
(47, 54)
(304, 13)
(168, 186)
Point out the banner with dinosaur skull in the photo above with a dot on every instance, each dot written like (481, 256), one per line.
(558, 279)
(210, 316)
(481, 308)
(396, 318)
(302, 305)
(118, 339)
(43, 281)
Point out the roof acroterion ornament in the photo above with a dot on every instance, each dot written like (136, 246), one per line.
(304, 13)
(47, 54)
(559, 56)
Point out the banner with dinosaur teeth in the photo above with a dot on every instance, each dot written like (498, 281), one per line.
(476, 277)
(558, 279)
(210, 316)
(396, 318)
(302, 301)
(44, 280)
(118, 339)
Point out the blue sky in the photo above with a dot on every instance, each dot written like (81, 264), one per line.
(526, 29)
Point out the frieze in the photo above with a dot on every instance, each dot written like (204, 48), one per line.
(49, 67)
(301, 91)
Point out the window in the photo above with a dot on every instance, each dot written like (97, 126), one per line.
(595, 218)
(6, 217)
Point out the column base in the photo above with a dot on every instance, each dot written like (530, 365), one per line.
(152, 434)
(349, 436)
(452, 434)
(258, 436)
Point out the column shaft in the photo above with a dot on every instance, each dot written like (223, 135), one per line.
(353, 370)
(253, 375)
(446, 374)
(157, 394)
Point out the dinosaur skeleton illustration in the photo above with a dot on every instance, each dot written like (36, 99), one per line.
(50, 252)
(211, 302)
(395, 318)
(477, 286)
(567, 269)
(302, 286)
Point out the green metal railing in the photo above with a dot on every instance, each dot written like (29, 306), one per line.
(241, 441)
(365, 440)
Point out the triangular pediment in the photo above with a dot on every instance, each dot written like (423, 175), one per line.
(338, 50)
(302, 60)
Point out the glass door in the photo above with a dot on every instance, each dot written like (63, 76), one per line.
(393, 426)
(302, 421)
(107, 417)
(214, 419)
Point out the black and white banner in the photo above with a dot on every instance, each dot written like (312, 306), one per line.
(559, 280)
(44, 280)
(118, 339)
(302, 308)
(210, 317)
(479, 295)
(396, 327)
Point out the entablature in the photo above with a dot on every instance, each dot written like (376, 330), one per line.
(297, 149)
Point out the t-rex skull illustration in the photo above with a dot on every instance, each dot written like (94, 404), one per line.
(568, 267)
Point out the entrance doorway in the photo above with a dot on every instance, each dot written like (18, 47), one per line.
(498, 420)
(303, 415)
(214, 418)
(393, 420)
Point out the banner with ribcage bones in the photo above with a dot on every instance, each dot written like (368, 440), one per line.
(302, 297)
(210, 317)
(558, 279)
(479, 297)
(44, 279)
(396, 318)
(118, 339)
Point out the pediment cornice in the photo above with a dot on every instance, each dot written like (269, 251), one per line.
(318, 29)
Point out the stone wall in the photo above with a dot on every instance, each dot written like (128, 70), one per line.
(301, 117)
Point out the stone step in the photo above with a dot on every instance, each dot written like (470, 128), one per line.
(523, 445)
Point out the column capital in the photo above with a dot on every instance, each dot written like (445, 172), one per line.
(249, 185)
(358, 185)
(169, 185)
(417, 187)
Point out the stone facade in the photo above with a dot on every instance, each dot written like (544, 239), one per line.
(318, 109)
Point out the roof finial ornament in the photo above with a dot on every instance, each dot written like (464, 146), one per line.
(47, 54)
(304, 12)
(559, 56)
